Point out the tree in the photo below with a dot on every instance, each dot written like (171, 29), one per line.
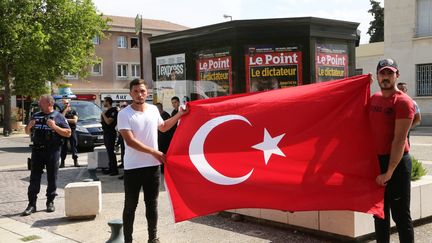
(376, 28)
(42, 39)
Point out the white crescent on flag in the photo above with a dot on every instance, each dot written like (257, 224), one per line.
(196, 152)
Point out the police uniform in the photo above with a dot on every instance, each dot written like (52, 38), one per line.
(72, 140)
(110, 135)
(45, 153)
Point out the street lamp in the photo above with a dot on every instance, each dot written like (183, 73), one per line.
(138, 31)
(227, 16)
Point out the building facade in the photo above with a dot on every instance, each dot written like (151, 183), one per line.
(408, 40)
(120, 59)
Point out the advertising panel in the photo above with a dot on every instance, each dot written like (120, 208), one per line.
(331, 62)
(170, 68)
(270, 68)
(213, 71)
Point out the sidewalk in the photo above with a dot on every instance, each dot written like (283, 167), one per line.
(212, 228)
(13, 231)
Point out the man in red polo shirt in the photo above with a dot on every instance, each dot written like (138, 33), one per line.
(391, 115)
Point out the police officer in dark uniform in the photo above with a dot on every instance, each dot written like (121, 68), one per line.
(109, 123)
(48, 128)
(72, 117)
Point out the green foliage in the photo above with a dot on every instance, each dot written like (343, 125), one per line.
(41, 39)
(376, 28)
(417, 169)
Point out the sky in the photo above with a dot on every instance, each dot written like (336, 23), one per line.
(196, 13)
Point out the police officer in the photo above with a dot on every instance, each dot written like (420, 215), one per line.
(49, 127)
(72, 117)
(109, 123)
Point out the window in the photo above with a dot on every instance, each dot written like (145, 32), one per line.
(424, 79)
(134, 42)
(121, 42)
(122, 70)
(97, 69)
(424, 18)
(96, 40)
(68, 75)
(136, 71)
(358, 71)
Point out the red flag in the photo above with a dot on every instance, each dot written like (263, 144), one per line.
(296, 149)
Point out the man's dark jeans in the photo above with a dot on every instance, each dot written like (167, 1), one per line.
(148, 179)
(397, 200)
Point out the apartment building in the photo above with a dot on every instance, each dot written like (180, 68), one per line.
(120, 60)
(408, 40)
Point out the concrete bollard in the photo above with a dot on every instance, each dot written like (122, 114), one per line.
(98, 158)
(116, 226)
(83, 199)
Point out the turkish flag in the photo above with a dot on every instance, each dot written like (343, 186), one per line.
(296, 149)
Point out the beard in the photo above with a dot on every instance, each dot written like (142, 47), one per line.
(385, 84)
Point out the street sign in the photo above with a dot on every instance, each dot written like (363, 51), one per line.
(138, 24)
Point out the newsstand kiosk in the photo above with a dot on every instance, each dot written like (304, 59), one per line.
(251, 55)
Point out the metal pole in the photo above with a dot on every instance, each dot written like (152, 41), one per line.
(141, 51)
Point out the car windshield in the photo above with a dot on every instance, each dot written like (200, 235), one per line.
(86, 110)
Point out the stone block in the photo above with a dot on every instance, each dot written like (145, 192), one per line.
(275, 215)
(337, 222)
(364, 224)
(426, 197)
(415, 205)
(83, 199)
(307, 219)
(346, 223)
(253, 212)
(98, 158)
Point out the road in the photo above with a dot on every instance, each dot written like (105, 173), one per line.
(15, 150)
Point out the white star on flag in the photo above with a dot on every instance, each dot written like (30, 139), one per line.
(269, 145)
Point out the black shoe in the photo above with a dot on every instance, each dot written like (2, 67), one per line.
(106, 172)
(76, 163)
(114, 173)
(155, 240)
(62, 164)
(120, 177)
(29, 210)
(50, 207)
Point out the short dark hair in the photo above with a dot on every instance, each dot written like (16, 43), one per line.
(175, 98)
(137, 81)
(109, 100)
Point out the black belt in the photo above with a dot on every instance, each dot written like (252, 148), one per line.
(39, 146)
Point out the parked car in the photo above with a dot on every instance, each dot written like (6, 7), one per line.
(88, 129)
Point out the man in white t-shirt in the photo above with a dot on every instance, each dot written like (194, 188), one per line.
(139, 124)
